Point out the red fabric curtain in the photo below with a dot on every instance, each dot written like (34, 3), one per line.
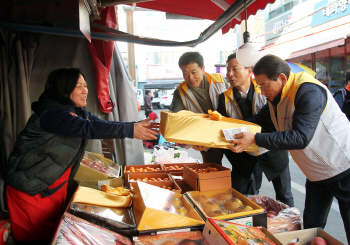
(101, 53)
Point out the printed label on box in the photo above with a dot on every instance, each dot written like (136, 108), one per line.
(230, 132)
(248, 221)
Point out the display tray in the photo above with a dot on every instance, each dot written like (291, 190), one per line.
(255, 217)
(120, 220)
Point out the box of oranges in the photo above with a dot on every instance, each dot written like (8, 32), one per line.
(174, 167)
(151, 168)
(147, 177)
(169, 185)
(207, 176)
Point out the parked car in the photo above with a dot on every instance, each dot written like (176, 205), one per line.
(167, 98)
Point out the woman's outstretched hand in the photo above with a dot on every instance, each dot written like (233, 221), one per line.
(146, 130)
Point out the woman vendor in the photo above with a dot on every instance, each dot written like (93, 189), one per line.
(48, 152)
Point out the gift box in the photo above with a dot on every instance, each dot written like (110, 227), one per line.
(74, 230)
(304, 237)
(198, 129)
(171, 238)
(224, 232)
(287, 218)
(207, 179)
(254, 216)
(151, 202)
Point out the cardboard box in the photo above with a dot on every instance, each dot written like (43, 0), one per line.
(72, 228)
(207, 181)
(178, 178)
(127, 170)
(288, 219)
(168, 184)
(142, 176)
(304, 237)
(151, 202)
(255, 217)
(5, 231)
(214, 233)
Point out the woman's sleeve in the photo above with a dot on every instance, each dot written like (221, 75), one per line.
(63, 121)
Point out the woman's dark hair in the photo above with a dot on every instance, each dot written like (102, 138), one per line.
(62, 82)
(271, 66)
(191, 57)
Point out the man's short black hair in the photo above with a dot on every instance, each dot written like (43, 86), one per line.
(230, 57)
(147, 91)
(271, 66)
(62, 82)
(347, 77)
(191, 57)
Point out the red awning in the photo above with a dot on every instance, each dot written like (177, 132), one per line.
(204, 9)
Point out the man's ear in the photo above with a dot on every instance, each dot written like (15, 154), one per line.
(283, 78)
(250, 71)
(203, 69)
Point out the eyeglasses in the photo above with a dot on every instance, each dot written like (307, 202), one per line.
(263, 87)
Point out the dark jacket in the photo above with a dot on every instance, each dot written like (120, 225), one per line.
(273, 163)
(54, 139)
(148, 103)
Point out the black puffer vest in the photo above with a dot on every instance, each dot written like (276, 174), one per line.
(40, 157)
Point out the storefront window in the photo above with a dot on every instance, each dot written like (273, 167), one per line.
(336, 73)
(322, 71)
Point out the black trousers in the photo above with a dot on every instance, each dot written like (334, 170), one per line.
(251, 186)
(213, 155)
(318, 202)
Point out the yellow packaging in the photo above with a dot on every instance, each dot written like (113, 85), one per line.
(151, 202)
(191, 128)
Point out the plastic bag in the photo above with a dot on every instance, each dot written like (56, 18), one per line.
(101, 164)
(287, 218)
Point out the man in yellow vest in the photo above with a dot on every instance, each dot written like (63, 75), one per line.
(241, 101)
(198, 93)
(312, 127)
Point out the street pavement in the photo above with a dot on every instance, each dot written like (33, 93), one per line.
(334, 225)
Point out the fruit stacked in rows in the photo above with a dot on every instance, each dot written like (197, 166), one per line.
(204, 170)
(146, 169)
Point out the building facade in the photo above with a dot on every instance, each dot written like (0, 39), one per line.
(312, 33)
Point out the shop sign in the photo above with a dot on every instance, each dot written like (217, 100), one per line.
(336, 82)
(331, 11)
(279, 26)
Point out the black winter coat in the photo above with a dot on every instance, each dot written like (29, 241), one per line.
(54, 139)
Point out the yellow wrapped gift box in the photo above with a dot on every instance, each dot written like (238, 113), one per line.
(85, 195)
(191, 128)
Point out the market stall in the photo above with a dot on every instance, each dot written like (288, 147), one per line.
(175, 203)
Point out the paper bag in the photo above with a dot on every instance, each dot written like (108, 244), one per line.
(191, 128)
